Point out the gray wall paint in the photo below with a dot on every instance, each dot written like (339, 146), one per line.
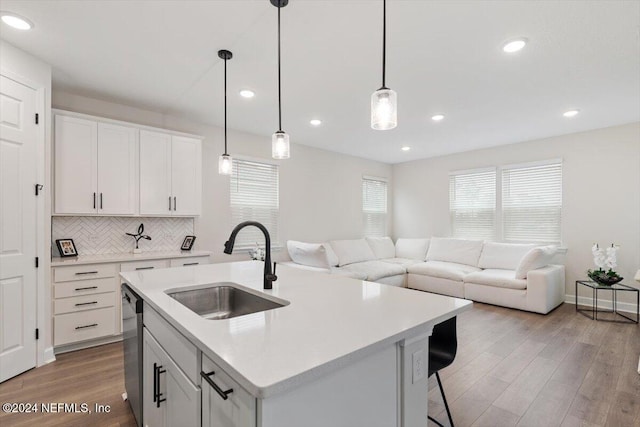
(601, 192)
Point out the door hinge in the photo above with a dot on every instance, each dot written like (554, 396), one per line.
(37, 333)
(39, 188)
(37, 262)
(37, 118)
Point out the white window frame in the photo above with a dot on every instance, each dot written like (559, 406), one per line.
(382, 214)
(242, 244)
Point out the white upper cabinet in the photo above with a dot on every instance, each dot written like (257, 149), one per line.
(76, 165)
(117, 159)
(170, 174)
(104, 167)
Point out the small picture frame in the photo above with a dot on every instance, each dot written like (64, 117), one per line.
(66, 247)
(187, 243)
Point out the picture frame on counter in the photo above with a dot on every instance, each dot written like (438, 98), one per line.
(66, 247)
(187, 243)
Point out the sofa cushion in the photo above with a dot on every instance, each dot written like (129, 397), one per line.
(332, 258)
(496, 278)
(458, 251)
(374, 270)
(412, 248)
(382, 247)
(404, 262)
(305, 267)
(504, 256)
(442, 269)
(310, 254)
(350, 251)
(536, 258)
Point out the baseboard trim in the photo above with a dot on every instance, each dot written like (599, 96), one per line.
(48, 356)
(602, 304)
(87, 344)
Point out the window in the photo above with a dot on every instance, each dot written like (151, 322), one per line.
(472, 204)
(532, 202)
(254, 197)
(523, 205)
(374, 206)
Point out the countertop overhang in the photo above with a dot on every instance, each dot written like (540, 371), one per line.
(330, 322)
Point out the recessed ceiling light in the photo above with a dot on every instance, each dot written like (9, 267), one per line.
(16, 21)
(437, 117)
(514, 45)
(405, 148)
(571, 113)
(246, 93)
(315, 122)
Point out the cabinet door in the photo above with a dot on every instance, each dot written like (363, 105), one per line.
(186, 175)
(180, 398)
(75, 148)
(155, 173)
(117, 158)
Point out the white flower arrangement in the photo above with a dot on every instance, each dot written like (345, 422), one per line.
(605, 258)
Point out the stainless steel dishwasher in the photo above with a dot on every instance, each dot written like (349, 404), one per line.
(132, 339)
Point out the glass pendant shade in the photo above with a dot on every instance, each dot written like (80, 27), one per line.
(280, 145)
(225, 165)
(384, 109)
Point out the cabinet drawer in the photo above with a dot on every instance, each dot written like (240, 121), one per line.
(84, 272)
(185, 262)
(85, 287)
(85, 325)
(239, 408)
(183, 352)
(144, 265)
(85, 302)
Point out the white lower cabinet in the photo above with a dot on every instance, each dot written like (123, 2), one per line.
(170, 398)
(224, 402)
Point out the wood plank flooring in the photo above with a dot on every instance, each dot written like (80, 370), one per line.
(512, 369)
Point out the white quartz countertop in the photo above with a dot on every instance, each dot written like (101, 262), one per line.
(124, 257)
(330, 321)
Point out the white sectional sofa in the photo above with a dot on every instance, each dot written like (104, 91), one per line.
(511, 275)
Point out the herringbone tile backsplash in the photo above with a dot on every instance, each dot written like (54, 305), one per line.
(95, 235)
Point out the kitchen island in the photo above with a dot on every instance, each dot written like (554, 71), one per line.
(338, 352)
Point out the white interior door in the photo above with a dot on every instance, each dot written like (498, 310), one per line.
(18, 139)
(155, 173)
(186, 175)
(76, 163)
(117, 157)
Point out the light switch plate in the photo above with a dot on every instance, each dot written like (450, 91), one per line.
(418, 366)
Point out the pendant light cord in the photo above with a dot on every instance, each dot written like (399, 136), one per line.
(279, 79)
(225, 107)
(384, 42)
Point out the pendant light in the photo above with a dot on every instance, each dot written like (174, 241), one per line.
(384, 101)
(280, 139)
(225, 162)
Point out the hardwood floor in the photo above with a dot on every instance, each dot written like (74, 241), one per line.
(512, 369)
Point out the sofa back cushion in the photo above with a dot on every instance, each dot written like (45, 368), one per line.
(412, 248)
(455, 250)
(351, 251)
(536, 258)
(310, 254)
(505, 256)
(382, 247)
(332, 258)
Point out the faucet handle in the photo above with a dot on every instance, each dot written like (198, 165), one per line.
(274, 267)
(272, 277)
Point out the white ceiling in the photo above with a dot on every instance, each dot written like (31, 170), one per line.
(443, 57)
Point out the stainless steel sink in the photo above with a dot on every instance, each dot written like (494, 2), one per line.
(223, 301)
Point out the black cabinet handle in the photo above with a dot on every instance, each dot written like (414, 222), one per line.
(80, 304)
(190, 263)
(169, 202)
(86, 288)
(175, 204)
(156, 384)
(94, 200)
(86, 272)
(100, 200)
(86, 326)
(223, 394)
(144, 268)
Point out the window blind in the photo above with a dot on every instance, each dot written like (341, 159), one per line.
(472, 204)
(374, 207)
(532, 203)
(254, 196)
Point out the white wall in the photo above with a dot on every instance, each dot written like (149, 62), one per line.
(30, 71)
(320, 191)
(601, 192)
